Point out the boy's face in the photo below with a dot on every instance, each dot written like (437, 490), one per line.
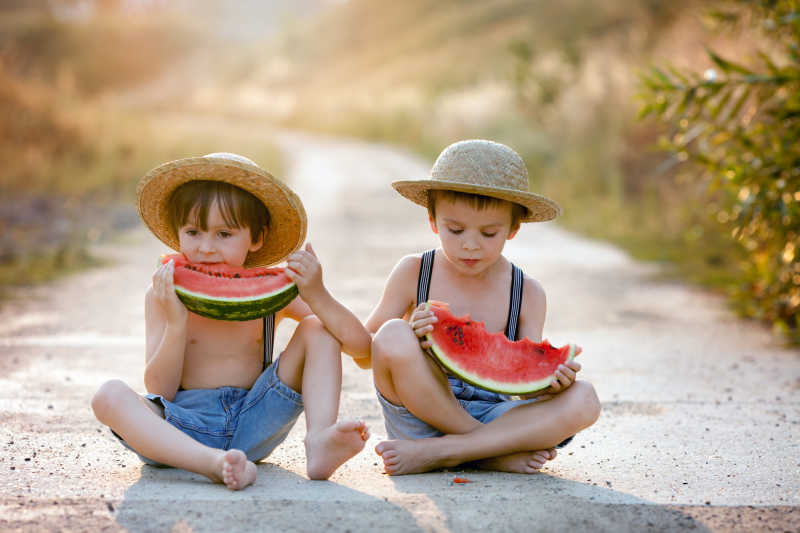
(472, 239)
(219, 243)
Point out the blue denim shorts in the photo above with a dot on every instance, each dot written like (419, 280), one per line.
(483, 405)
(254, 420)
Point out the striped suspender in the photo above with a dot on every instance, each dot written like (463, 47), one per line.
(269, 338)
(424, 281)
(512, 324)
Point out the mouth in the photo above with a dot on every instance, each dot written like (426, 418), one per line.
(470, 262)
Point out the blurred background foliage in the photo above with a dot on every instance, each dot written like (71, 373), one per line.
(592, 94)
(737, 125)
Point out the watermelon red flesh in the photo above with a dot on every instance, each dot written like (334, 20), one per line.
(229, 293)
(490, 360)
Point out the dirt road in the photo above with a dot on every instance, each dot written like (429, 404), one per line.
(699, 428)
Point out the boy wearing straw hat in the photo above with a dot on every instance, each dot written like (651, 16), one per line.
(477, 196)
(216, 401)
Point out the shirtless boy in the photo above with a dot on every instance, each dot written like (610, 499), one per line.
(477, 196)
(216, 402)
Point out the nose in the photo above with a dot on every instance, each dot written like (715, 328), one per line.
(469, 242)
(205, 245)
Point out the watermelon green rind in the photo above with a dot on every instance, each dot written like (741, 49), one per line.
(502, 356)
(271, 290)
(237, 309)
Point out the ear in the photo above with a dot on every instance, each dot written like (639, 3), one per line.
(432, 222)
(513, 232)
(256, 245)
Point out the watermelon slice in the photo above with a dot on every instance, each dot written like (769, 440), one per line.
(490, 360)
(224, 292)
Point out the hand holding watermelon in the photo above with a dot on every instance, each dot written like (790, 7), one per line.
(165, 296)
(565, 375)
(422, 321)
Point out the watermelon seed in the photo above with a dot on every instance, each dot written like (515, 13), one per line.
(456, 334)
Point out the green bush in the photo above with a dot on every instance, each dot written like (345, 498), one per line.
(736, 127)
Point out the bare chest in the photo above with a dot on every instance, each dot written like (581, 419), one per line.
(488, 304)
(220, 353)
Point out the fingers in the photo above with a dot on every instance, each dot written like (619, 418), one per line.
(303, 262)
(163, 283)
(422, 321)
(310, 249)
(423, 327)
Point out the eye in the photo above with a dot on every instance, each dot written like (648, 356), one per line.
(488, 235)
(455, 231)
(225, 234)
(190, 232)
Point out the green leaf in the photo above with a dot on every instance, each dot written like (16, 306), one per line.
(675, 72)
(667, 82)
(774, 70)
(719, 105)
(737, 105)
(727, 66)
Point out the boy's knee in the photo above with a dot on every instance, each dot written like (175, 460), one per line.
(107, 397)
(394, 340)
(587, 403)
(311, 328)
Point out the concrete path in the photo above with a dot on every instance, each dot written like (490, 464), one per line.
(699, 429)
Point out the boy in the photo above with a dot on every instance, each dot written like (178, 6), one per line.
(216, 403)
(477, 196)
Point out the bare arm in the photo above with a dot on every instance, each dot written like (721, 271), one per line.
(399, 294)
(165, 332)
(305, 270)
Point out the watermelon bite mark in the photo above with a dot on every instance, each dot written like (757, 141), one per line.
(490, 360)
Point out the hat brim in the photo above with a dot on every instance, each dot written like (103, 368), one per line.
(540, 208)
(288, 216)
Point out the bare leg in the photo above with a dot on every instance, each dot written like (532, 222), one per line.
(518, 463)
(537, 426)
(406, 376)
(142, 426)
(312, 365)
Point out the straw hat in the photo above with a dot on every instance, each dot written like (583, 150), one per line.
(481, 167)
(287, 230)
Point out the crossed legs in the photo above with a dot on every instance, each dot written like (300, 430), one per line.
(520, 440)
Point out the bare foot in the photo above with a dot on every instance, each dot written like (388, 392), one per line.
(328, 449)
(237, 472)
(409, 456)
(519, 463)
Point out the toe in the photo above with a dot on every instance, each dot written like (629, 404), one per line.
(349, 425)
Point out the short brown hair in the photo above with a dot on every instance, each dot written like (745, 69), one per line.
(478, 201)
(239, 208)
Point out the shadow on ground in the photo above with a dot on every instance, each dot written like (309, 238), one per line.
(176, 500)
(540, 502)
